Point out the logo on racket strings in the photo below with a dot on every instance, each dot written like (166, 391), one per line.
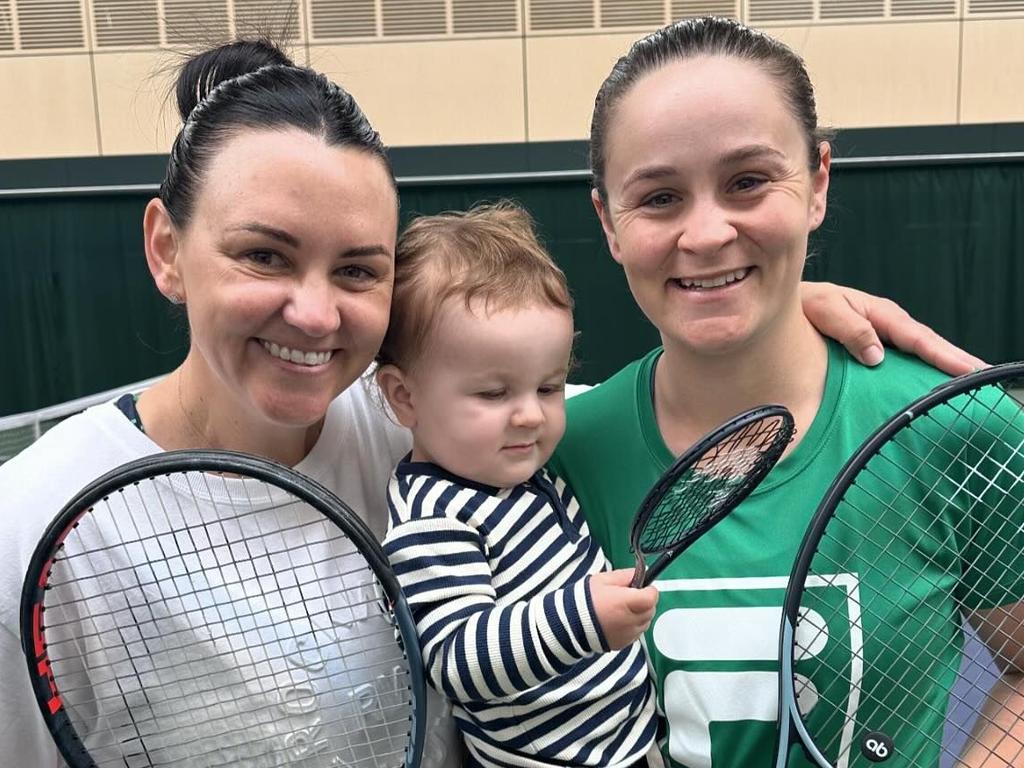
(876, 746)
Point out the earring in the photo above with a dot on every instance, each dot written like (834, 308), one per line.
(175, 299)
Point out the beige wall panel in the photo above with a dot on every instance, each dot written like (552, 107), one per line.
(880, 74)
(434, 92)
(993, 72)
(137, 113)
(47, 107)
(563, 75)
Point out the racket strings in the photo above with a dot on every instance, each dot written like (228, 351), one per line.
(696, 495)
(937, 514)
(195, 550)
(898, 660)
(207, 591)
(223, 657)
(280, 647)
(241, 721)
(155, 582)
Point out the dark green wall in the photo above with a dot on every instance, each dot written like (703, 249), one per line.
(79, 314)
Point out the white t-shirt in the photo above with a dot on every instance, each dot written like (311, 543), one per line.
(356, 451)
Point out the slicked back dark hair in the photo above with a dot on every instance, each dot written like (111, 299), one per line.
(252, 84)
(706, 36)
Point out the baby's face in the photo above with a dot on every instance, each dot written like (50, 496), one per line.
(489, 391)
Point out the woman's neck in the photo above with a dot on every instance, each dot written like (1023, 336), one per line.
(694, 392)
(183, 411)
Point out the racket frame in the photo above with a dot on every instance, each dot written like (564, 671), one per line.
(645, 574)
(285, 478)
(790, 722)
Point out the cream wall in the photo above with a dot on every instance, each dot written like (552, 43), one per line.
(993, 71)
(47, 107)
(459, 92)
(515, 88)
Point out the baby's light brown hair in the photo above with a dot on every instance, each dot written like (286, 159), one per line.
(488, 254)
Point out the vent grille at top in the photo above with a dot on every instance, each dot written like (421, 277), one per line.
(484, 16)
(778, 10)
(50, 24)
(189, 21)
(6, 26)
(852, 9)
(684, 9)
(125, 22)
(996, 6)
(30, 25)
(924, 7)
(343, 18)
(632, 13)
(414, 17)
(278, 19)
(561, 14)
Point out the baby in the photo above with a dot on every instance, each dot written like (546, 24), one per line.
(522, 624)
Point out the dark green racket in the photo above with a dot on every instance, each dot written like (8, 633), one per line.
(705, 484)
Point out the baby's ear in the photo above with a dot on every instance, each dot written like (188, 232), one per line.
(392, 383)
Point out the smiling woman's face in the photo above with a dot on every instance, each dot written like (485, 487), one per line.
(286, 268)
(710, 201)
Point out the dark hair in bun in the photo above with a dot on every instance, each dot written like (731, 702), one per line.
(252, 84)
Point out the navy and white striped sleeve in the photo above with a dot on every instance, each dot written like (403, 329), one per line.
(475, 650)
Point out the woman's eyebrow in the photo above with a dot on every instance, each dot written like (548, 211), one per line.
(647, 173)
(361, 251)
(272, 232)
(752, 152)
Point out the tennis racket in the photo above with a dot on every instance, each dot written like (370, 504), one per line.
(917, 545)
(207, 608)
(705, 484)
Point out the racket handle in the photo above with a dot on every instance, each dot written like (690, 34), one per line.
(639, 572)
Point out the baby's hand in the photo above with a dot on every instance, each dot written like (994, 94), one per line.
(623, 611)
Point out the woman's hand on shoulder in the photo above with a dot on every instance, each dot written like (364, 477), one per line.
(861, 322)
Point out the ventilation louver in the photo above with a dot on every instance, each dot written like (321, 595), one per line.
(50, 24)
(476, 16)
(646, 14)
(414, 17)
(190, 21)
(996, 6)
(561, 14)
(6, 26)
(781, 10)
(684, 9)
(334, 19)
(278, 19)
(125, 22)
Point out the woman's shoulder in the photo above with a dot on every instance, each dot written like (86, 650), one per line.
(76, 445)
(71, 454)
(37, 483)
(896, 381)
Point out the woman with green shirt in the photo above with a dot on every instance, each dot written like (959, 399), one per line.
(710, 172)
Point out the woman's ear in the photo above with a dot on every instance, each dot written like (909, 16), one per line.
(606, 224)
(397, 392)
(160, 239)
(819, 186)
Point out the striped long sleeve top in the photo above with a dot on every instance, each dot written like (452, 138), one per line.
(497, 580)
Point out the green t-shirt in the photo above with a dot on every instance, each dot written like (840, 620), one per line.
(713, 643)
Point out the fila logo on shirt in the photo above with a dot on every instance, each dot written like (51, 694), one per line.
(710, 635)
